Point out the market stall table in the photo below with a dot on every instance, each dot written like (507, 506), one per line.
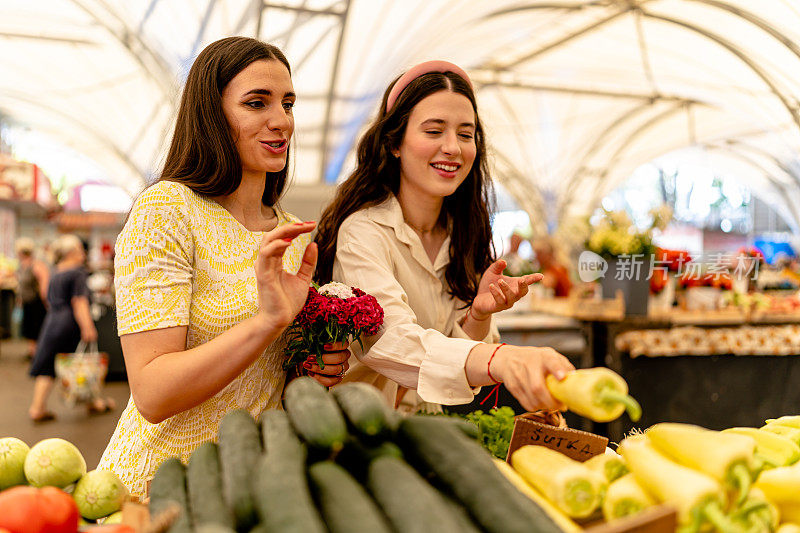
(713, 386)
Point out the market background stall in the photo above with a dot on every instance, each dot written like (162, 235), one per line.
(593, 107)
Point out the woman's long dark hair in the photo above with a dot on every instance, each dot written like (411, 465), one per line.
(377, 175)
(203, 153)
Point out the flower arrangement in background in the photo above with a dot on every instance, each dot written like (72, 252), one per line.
(751, 252)
(721, 280)
(332, 313)
(664, 262)
(673, 260)
(615, 234)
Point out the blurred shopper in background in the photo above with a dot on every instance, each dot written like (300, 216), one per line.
(516, 265)
(68, 321)
(553, 267)
(32, 279)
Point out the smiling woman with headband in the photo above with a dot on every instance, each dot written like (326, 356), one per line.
(411, 226)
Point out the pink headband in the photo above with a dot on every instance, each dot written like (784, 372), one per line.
(417, 71)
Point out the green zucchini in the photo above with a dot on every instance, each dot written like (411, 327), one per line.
(344, 503)
(168, 489)
(462, 515)
(467, 470)
(314, 415)
(283, 498)
(468, 428)
(239, 450)
(204, 484)
(277, 435)
(356, 456)
(412, 505)
(365, 410)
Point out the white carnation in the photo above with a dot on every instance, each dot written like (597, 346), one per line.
(339, 290)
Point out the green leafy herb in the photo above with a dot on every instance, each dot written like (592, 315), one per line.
(495, 428)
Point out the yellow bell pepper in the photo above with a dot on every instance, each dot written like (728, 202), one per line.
(570, 485)
(774, 450)
(698, 498)
(791, 433)
(563, 521)
(791, 421)
(788, 527)
(610, 465)
(599, 394)
(727, 457)
(756, 514)
(781, 486)
(625, 497)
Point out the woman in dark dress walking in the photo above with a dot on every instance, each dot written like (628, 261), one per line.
(32, 279)
(68, 321)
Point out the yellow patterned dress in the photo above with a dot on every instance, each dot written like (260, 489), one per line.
(183, 260)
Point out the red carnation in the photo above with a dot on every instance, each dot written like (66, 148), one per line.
(332, 313)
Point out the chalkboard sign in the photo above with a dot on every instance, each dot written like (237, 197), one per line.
(575, 444)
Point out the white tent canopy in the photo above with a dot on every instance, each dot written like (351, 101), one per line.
(574, 94)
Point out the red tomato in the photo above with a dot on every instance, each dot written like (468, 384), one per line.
(32, 510)
(19, 510)
(60, 511)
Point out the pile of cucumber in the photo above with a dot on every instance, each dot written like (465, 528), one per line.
(342, 461)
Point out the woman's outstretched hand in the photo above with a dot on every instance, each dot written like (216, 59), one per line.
(497, 292)
(281, 295)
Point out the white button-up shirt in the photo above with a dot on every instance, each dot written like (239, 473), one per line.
(421, 344)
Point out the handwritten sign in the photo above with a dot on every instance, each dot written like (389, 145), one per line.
(576, 444)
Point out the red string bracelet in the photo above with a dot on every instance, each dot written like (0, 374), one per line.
(476, 319)
(496, 389)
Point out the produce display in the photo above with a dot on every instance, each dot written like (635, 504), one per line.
(343, 461)
(46, 489)
(740, 480)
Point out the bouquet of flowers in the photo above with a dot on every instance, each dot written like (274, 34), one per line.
(332, 313)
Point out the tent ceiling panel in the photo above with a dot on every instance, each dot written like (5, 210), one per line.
(574, 93)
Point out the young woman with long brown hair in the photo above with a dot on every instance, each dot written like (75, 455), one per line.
(209, 271)
(411, 226)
